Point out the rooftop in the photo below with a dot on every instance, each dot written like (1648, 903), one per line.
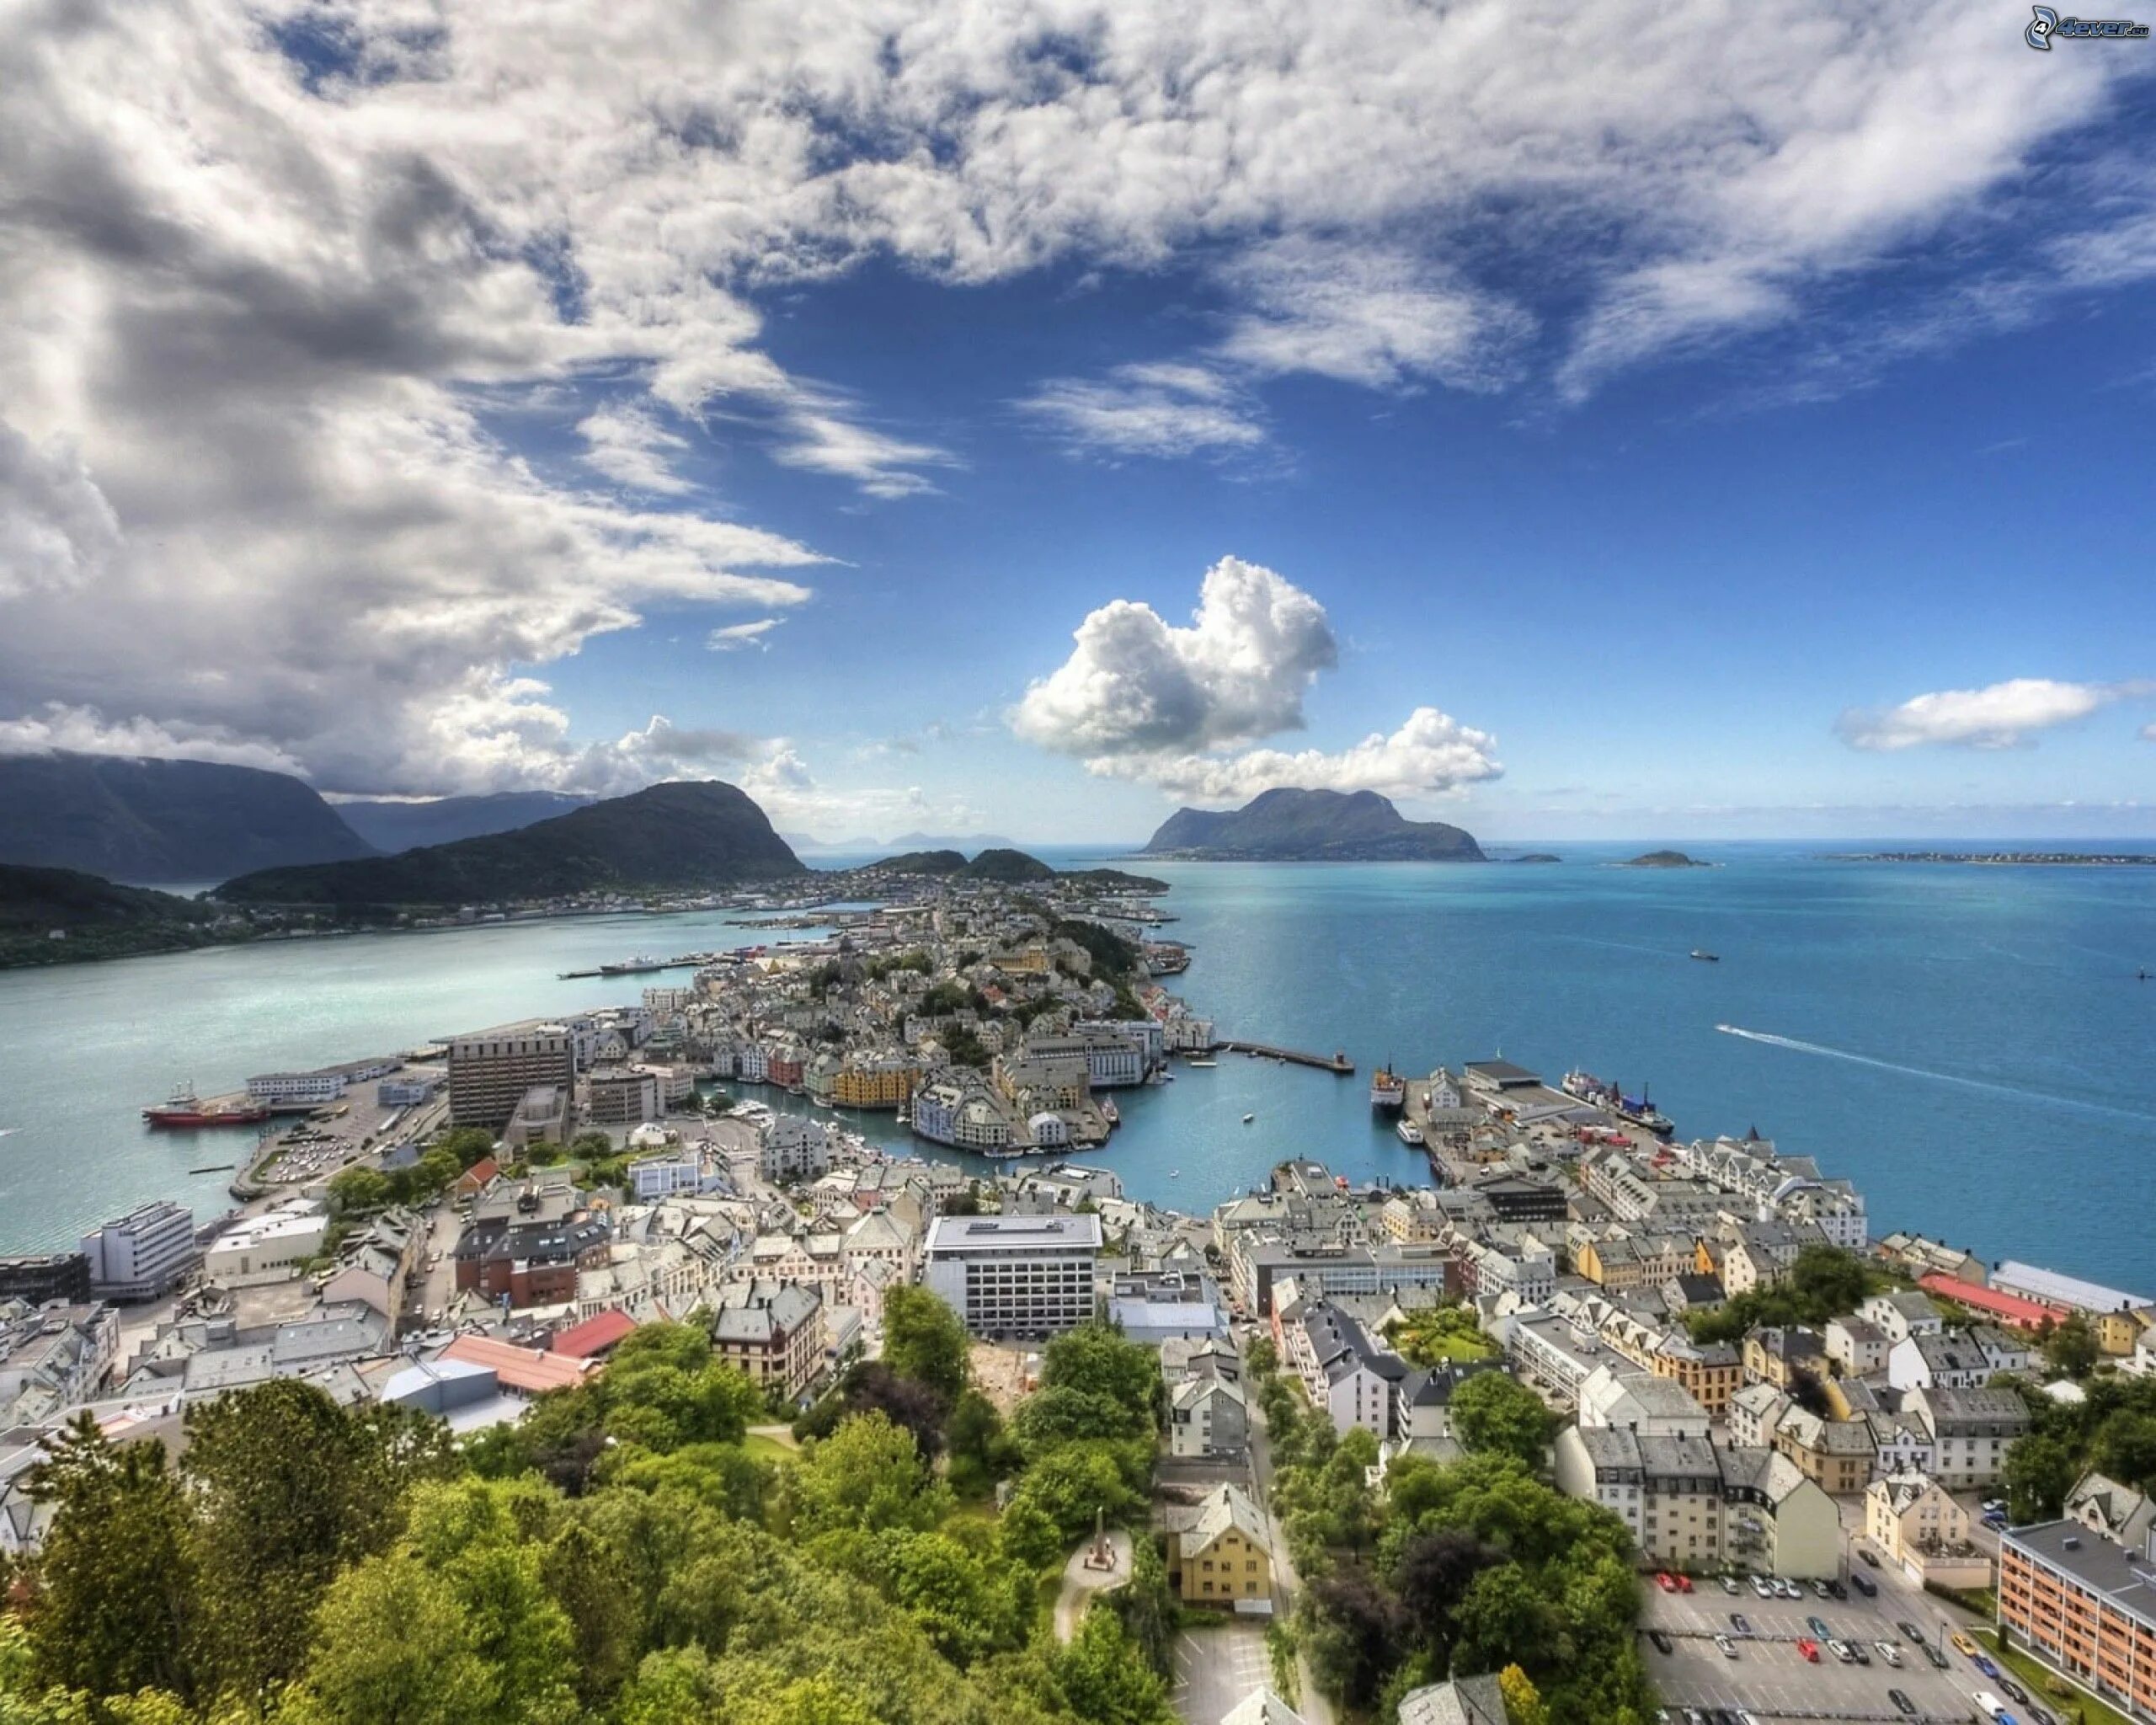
(2124, 1577)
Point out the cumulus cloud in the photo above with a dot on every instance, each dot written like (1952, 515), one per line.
(1431, 754)
(1141, 698)
(1998, 716)
(84, 730)
(734, 636)
(1135, 683)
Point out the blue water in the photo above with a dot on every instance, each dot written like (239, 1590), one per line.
(1967, 1044)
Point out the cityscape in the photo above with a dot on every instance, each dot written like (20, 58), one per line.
(1005, 864)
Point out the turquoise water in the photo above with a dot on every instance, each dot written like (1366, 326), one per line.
(1968, 1044)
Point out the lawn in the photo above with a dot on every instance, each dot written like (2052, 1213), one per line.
(2036, 1677)
(768, 1448)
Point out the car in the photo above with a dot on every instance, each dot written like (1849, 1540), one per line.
(1727, 1647)
(1818, 1626)
(1902, 1702)
(1789, 1590)
(1819, 1588)
(1868, 1556)
(1963, 1645)
(1739, 1622)
(1891, 1653)
(1666, 1582)
(1860, 1652)
(1683, 1583)
(1840, 1650)
(1663, 1643)
(1809, 1650)
(1764, 1588)
(2015, 1692)
(1864, 1583)
(1910, 1630)
(1835, 1590)
(1939, 1660)
(1729, 1585)
(1984, 1665)
(2037, 1715)
(1991, 1504)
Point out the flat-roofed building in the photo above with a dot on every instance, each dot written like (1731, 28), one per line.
(1016, 1275)
(491, 1070)
(2085, 1605)
(143, 1254)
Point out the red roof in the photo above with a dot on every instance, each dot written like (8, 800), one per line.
(531, 1369)
(2007, 1308)
(595, 1335)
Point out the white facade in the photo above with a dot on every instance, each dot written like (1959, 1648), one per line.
(267, 1247)
(1016, 1275)
(296, 1086)
(143, 1253)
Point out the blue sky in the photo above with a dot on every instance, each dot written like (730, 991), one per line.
(1711, 433)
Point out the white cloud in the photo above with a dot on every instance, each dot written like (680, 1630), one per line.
(2000, 715)
(1431, 754)
(1140, 698)
(1134, 683)
(630, 447)
(84, 730)
(1163, 409)
(734, 636)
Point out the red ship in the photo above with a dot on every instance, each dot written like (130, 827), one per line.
(184, 1109)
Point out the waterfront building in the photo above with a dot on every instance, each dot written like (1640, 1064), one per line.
(143, 1254)
(57, 1275)
(2085, 1606)
(874, 1081)
(2009, 1309)
(793, 1150)
(491, 1070)
(2051, 1289)
(1016, 1275)
(1920, 1256)
(311, 1087)
(955, 1107)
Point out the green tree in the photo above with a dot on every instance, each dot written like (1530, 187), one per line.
(359, 1188)
(1261, 1357)
(592, 1584)
(2071, 1347)
(2126, 1448)
(391, 1647)
(1097, 1359)
(1831, 1280)
(1494, 1410)
(925, 1340)
(2039, 1472)
(1069, 1485)
(115, 1578)
(1504, 1619)
(866, 1477)
(981, 1451)
(1108, 1682)
(469, 1145)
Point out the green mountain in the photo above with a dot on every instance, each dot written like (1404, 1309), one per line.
(669, 838)
(1009, 866)
(92, 918)
(1310, 826)
(924, 862)
(391, 827)
(133, 819)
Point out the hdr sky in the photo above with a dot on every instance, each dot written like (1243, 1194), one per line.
(1607, 418)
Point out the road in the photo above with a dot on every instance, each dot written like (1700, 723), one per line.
(1313, 1707)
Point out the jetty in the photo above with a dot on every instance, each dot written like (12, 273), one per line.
(1338, 1063)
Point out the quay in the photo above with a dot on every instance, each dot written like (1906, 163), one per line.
(631, 969)
(1338, 1063)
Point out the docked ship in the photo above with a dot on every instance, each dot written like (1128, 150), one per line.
(1388, 1089)
(1589, 1088)
(1409, 1132)
(184, 1109)
(1641, 1111)
(641, 964)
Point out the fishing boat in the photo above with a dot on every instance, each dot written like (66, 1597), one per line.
(1409, 1132)
(184, 1109)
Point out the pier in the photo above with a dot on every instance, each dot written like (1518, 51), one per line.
(1338, 1063)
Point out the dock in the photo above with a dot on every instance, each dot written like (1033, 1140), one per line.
(1338, 1063)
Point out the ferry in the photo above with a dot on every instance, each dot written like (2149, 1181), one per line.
(1409, 1132)
(1388, 1089)
(184, 1109)
(1589, 1088)
(1705, 956)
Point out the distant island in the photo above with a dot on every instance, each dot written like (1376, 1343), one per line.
(671, 837)
(1289, 825)
(1536, 856)
(59, 915)
(1665, 859)
(2046, 859)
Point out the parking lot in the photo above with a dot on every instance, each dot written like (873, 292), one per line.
(1770, 1679)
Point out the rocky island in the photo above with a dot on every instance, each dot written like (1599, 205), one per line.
(1289, 825)
(1665, 859)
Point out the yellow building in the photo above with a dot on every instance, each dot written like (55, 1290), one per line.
(874, 1084)
(1711, 1370)
(2118, 1333)
(1220, 1553)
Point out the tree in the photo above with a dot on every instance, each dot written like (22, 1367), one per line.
(1432, 1575)
(1504, 1619)
(2072, 1348)
(115, 1600)
(2039, 1472)
(1354, 1635)
(981, 1451)
(469, 1145)
(1107, 1680)
(391, 1646)
(2126, 1449)
(1097, 1359)
(1261, 1357)
(359, 1188)
(1072, 1485)
(866, 1477)
(1831, 1280)
(925, 1340)
(591, 1583)
(1493, 1411)
(1523, 1701)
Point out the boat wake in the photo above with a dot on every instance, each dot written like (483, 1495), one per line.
(1983, 1084)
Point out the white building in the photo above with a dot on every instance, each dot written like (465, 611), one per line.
(297, 1086)
(142, 1254)
(794, 1149)
(672, 1173)
(1016, 1275)
(269, 1247)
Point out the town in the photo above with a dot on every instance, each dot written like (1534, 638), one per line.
(1838, 1476)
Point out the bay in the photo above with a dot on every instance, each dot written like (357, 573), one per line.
(1968, 1044)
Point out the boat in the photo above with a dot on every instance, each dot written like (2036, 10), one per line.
(1388, 1089)
(1174, 1173)
(1587, 1087)
(1247, 1119)
(185, 1110)
(1705, 956)
(1641, 1111)
(1409, 1132)
(1204, 1063)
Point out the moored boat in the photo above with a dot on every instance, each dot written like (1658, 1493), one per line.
(1388, 1089)
(1409, 1132)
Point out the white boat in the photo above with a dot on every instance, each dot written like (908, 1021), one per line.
(1409, 1132)
(1204, 1063)
(1174, 1173)
(1247, 1119)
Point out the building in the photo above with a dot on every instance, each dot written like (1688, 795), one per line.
(490, 1071)
(1463, 1700)
(623, 1096)
(58, 1275)
(308, 1087)
(1691, 1505)
(142, 1255)
(271, 1247)
(874, 1081)
(1627, 1399)
(1208, 1417)
(2118, 1512)
(1900, 1314)
(1857, 1346)
(2009, 1309)
(1915, 1524)
(773, 1330)
(1779, 1356)
(2050, 1288)
(1016, 1275)
(529, 1263)
(794, 1149)
(1971, 1432)
(1219, 1553)
(672, 1173)
(1357, 1382)
(2085, 1605)
(1709, 1371)
(1837, 1455)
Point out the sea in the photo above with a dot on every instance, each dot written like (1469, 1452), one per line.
(1969, 1044)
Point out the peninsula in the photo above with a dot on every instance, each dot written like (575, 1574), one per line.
(1288, 825)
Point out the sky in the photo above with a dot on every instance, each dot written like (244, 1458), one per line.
(1605, 420)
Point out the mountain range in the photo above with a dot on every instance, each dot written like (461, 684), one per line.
(1288, 825)
(162, 820)
(390, 826)
(673, 837)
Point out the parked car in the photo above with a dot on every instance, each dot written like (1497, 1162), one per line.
(1840, 1650)
(1787, 1588)
(1739, 1622)
(1901, 1702)
(1664, 1580)
(1765, 1589)
(1835, 1590)
(1818, 1626)
(1727, 1647)
(1809, 1650)
(1820, 1588)
(1663, 1643)
(1868, 1556)
(1891, 1653)
(1864, 1583)
(1729, 1585)
(1910, 1630)
(1683, 1583)
(1860, 1652)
